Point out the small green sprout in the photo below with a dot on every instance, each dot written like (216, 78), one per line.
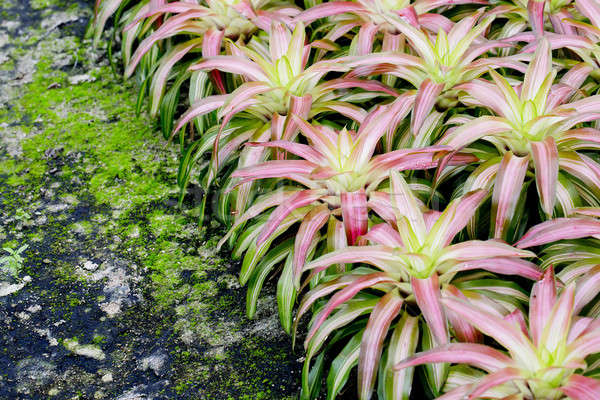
(12, 263)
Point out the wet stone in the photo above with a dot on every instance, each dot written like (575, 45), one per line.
(156, 362)
(33, 374)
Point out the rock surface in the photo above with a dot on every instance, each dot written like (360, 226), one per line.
(126, 298)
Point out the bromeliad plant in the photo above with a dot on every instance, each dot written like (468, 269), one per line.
(373, 16)
(532, 133)
(415, 258)
(338, 168)
(545, 357)
(534, 15)
(341, 178)
(171, 33)
(276, 84)
(440, 62)
(299, 112)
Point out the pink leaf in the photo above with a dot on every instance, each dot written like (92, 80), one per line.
(301, 150)
(509, 336)
(474, 130)
(559, 229)
(458, 214)
(587, 289)
(478, 355)
(211, 46)
(507, 189)
(275, 169)
(355, 214)
(463, 28)
(211, 43)
(495, 379)
(372, 341)
(381, 204)
(582, 134)
(559, 322)
(586, 344)
(240, 96)
(486, 94)
(434, 22)
(365, 38)
(232, 64)
(351, 111)
(427, 295)
(320, 291)
(171, 27)
(294, 202)
(162, 73)
(543, 297)
(582, 167)
(328, 9)
(576, 75)
(402, 159)
(582, 388)
(176, 7)
(590, 104)
(371, 130)
(347, 83)
(312, 222)
(318, 139)
(383, 234)
(477, 249)
(410, 15)
(301, 106)
(279, 41)
(379, 256)
(591, 9)
(426, 98)
(406, 204)
(260, 205)
(463, 331)
(344, 295)
(201, 107)
(545, 160)
(518, 319)
(535, 10)
(540, 66)
(504, 266)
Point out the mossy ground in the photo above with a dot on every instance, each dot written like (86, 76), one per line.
(115, 264)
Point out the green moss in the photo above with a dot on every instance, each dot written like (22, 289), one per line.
(99, 339)
(165, 224)
(114, 163)
(81, 227)
(41, 4)
(35, 237)
(11, 244)
(7, 65)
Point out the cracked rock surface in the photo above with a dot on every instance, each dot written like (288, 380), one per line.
(120, 295)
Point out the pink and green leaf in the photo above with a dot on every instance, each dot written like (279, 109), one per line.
(372, 341)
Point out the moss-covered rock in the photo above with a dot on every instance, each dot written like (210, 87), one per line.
(116, 268)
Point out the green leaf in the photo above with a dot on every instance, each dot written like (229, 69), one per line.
(313, 378)
(342, 365)
(403, 344)
(169, 103)
(435, 374)
(255, 284)
(286, 292)
(201, 87)
(254, 254)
